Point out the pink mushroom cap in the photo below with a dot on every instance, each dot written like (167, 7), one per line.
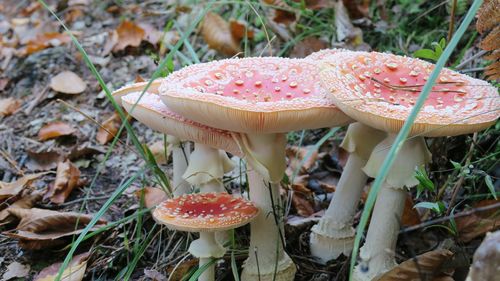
(380, 90)
(205, 212)
(253, 95)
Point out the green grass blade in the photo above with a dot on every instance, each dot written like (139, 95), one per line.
(403, 133)
(202, 269)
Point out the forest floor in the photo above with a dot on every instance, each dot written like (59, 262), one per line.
(57, 153)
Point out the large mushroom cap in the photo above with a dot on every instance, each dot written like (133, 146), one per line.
(380, 90)
(154, 114)
(205, 212)
(253, 95)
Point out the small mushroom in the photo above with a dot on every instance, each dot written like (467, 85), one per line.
(260, 100)
(379, 90)
(205, 213)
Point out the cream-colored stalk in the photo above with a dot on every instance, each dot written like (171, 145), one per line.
(378, 252)
(205, 248)
(265, 155)
(180, 156)
(334, 234)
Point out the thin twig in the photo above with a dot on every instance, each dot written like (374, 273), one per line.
(452, 20)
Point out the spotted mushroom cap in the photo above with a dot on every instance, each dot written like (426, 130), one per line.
(205, 212)
(154, 114)
(253, 95)
(380, 90)
(136, 87)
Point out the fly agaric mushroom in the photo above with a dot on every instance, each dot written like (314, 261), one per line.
(180, 150)
(207, 164)
(380, 90)
(260, 99)
(334, 234)
(205, 213)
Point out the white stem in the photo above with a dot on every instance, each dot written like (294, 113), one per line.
(333, 235)
(205, 248)
(378, 252)
(266, 156)
(179, 163)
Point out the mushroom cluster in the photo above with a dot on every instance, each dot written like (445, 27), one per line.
(246, 106)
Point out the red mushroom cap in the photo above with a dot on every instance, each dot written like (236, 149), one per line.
(253, 95)
(205, 212)
(156, 115)
(380, 90)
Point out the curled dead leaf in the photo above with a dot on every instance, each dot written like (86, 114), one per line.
(55, 130)
(67, 178)
(44, 160)
(217, 35)
(152, 196)
(75, 271)
(11, 189)
(46, 40)
(129, 34)
(26, 202)
(479, 223)
(68, 82)
(41, 229)
(8, 106)
(109, 129)
(427, 266)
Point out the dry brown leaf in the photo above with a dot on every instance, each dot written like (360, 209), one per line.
(44, 160)
(307, 46)
(427, 266)
(296, 155)
(357, 9)
(68, 82)
(16, 270)
(239, 30)
(11, 189)
(129, 34)
(40, 229)
(479, 223)
(26, 202)
(303, 206)
(55, 130)
(30, 9)
(8, 106)
(283, 14)
(410, 215)
(67, 178)
(217, 35)
(109, 129)
(75, 271)
(152, 196)
(158, 150)
(46, 40)
(73, 14)
(182, 269)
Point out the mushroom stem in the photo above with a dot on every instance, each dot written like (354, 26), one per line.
(377, 254)
(180, 153)
(267, 259)
(334, 234)
(205, 248)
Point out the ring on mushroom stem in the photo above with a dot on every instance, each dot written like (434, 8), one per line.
(206, 213)
(260, 100)
(457, 104)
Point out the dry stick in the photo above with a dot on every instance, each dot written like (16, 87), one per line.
(452, 20)
(446, 218)
(460, 181)
(475, 56)
(11, 161)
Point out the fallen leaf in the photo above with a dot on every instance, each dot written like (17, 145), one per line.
(44, 160)
(75, 271)
(11, 189)
(152, 196)
(8, 106)
(26, 202)
(129, 34)
(16, 270)
(55, 130)
(151, 34)
(67, 178)
(295, 157)
(303, 206)
(46, 40)
(84, 150)
(68, 82)
(410, 215)
(179, 271)
(217, 35)
(109, 129)
(357, 9)
(30, 9)
(239, 30)
(73, 14)
(479, 223)
(158, 150)
(42, 229)
(350, 36)
(283, 15)
(427, 266)
(308, 46)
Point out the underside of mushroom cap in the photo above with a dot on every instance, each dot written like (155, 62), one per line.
(154, 114)
(253, 95)
(380, 90)
(201, 212)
